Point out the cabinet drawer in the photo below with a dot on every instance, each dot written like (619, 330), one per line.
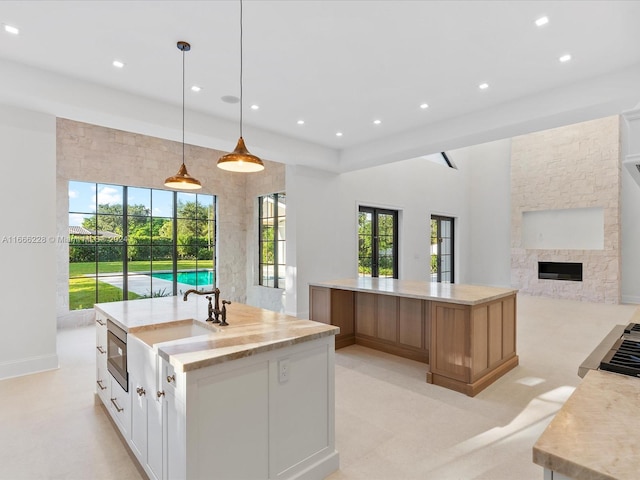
(103, 383)
(119, 406)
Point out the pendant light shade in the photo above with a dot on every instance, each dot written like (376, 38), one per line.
(182, 180)
(240, 160)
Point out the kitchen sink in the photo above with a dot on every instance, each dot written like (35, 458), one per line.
(174, 331)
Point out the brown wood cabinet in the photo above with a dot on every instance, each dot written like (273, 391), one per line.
(468, 346)
(472, 345)
(334, 307)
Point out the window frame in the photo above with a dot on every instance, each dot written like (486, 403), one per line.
(375, 250)
(277, 242)
(94, 245)
(439, 219)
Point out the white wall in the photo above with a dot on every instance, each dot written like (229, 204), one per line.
(28, 199)
(490, 213)
(314, 212)
(630, 209)
(630, 248)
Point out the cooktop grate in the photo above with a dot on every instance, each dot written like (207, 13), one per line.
(624, 358)
(632, 328)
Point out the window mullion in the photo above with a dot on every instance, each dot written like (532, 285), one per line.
(175, 244)
(275, 240)
(125, 249)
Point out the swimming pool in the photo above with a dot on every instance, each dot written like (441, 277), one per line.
(195, 278)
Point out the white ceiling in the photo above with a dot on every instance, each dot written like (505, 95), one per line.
(339, 65)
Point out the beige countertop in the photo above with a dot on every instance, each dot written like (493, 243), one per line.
(445, 292)
(250, 331)
(595, 434)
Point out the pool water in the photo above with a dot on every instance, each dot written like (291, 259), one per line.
(199, 278)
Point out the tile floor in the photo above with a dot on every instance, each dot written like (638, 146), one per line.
(390, 424)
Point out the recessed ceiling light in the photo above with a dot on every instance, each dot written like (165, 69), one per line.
(565, 58)
(254, 107)
(230, 99)
(118, 64)
(300, 122)
(424, 106)
(377, 122)
(542, 21)
(11, 29)
(196, 88)
(338, 134)
(483, 86)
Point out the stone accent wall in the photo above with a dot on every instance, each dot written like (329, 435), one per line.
(93, 153)
(576, 166)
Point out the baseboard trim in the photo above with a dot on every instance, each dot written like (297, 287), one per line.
(630, 299)
(27, 366)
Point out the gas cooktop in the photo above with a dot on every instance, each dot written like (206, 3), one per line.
(624, 356)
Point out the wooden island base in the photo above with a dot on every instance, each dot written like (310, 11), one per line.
(466, 333)
(471, 389)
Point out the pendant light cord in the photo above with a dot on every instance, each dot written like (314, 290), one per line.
(241, 68)
(183, 106)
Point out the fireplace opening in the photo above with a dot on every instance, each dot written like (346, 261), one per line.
(560, 271)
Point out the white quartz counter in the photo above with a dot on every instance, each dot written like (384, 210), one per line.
(595, 434)
(423, 290)
(251, 330)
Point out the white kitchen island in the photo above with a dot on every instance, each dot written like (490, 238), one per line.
(252, 400)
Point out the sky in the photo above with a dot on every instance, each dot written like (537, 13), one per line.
(82, 199)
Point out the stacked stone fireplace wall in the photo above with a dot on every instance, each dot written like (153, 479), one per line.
(572, 167)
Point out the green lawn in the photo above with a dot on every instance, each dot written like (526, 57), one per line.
(77, 269)
(82, 293)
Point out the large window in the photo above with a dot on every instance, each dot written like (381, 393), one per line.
(377, 242)
(272, 262)
(442, 249)
(129, 242)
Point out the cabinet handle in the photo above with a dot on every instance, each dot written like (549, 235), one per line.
(102, 387)
(140, 391)
(160, 394)
(171, 378)
(100, 322)
(118, 409)
(99, 347)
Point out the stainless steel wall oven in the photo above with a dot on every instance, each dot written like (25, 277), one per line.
(117, 354)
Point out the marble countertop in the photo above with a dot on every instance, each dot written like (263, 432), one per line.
(446, 292)
(595, 434)
(250, 331)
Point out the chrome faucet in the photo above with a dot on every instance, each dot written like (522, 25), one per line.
(215, 311)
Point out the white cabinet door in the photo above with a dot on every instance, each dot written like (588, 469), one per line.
(139, 409)
(154, 436)
(146, 406)
(174, 430)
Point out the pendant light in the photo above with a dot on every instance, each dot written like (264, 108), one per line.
(182, 180)
(240, 160)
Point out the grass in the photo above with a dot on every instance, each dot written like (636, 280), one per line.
(82, 293)
(77, 269)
